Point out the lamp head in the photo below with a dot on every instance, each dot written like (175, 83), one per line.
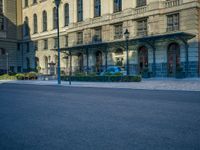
(126, 34)
(57, 2)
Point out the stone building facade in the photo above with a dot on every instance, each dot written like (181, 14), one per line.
(10, 34)
(164, 35)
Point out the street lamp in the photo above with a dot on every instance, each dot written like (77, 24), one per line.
(126, 34)
(57, 2)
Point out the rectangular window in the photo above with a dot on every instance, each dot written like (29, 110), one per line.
(1, 23)
(142, 27)
(80, 38)
(25, 3)
(12, 68)
(55, 42)
(141, 3)
(97, 8)
(1, 7)
(117, 6)
(66, 14)
(173, 22)
(118, 31)
(97, 35)
(79, 10)
(54, 18)
(46, 44)
(66, 41)
(18, 46)
(36, 45)
(27, 47)
(19, 69)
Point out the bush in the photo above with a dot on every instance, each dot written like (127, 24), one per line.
(113, 78)
(7, 77)
(92, 74)
(118, 74)
(20, 76)
(31, 76)
(79, 74)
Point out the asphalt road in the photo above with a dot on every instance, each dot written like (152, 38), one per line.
(64, 118)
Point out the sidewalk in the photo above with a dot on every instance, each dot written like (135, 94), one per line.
(189, 84)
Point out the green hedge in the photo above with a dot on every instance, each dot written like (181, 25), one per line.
(7, 77)
(20, 76)
(136, 78)
(26, 76)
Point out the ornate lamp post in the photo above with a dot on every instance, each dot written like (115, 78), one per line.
(57, 2)
(126, 34)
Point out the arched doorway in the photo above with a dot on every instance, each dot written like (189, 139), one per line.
(99, 61)
(173, 59)
(119, 56)
(80, 62)
(143, 59)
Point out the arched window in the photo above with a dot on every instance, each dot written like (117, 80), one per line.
(79, 10)
(117, 5)
(119, 57)
(35, 25)
(36, 62)
(2, 51)
(173, 56)
(44, 16)
(99, 61)
(45, 62)
(143, 58)
(34, 1)
(80, 62)
(97, 8)
(54, 18)
(26, 26)
(66, 11)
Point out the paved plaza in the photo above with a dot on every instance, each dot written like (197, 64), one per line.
(36, 117)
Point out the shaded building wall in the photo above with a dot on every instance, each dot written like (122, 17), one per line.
(9, 39)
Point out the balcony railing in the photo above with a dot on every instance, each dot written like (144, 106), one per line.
(79, 42)
(119, 36)
(142, 33)
(140, 10)
(173, 3)
(173, 28)
(96, 39)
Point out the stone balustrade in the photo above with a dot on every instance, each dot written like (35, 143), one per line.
(173, 3)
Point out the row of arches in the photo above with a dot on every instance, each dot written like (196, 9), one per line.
(173, 59)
